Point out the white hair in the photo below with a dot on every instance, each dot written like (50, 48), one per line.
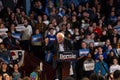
(1, 40)
(60, 34)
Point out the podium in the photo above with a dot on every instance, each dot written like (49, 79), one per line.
(65, 58)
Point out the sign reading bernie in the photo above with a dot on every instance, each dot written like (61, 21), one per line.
(67, 55)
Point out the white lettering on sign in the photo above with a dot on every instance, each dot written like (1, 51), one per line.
(68, 56)
(89, 66)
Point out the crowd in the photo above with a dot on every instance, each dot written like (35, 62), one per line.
(84, 24)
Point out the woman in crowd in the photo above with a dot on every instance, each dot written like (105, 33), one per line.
(37, 43)
(115, 66)
(5, 71)
(110, 58)
(16, 73)
(40, 25)
(76, 38)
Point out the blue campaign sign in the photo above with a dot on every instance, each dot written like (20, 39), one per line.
(16, 36)
(83, 52)
(36, 38)
(114, 49)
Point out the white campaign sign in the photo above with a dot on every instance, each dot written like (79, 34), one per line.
(20, 27)
(89, 66)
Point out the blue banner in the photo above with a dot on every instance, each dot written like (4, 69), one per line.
(83, 52)
(16, 36)
(36, 39)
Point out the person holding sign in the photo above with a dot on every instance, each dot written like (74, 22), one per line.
(10, 42)
(26, 35)
(12, 28)
(36, 42)
(82, 57)
(88, 65)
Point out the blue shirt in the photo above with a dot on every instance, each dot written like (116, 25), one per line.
(101, 67)
(51, 38)
(97, 56)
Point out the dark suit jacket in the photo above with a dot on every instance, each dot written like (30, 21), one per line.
(55, 46)
(10, 43)
(55, 49)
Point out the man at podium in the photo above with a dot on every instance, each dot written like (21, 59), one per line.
(60, 45)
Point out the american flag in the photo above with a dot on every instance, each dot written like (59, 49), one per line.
(18, 56)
